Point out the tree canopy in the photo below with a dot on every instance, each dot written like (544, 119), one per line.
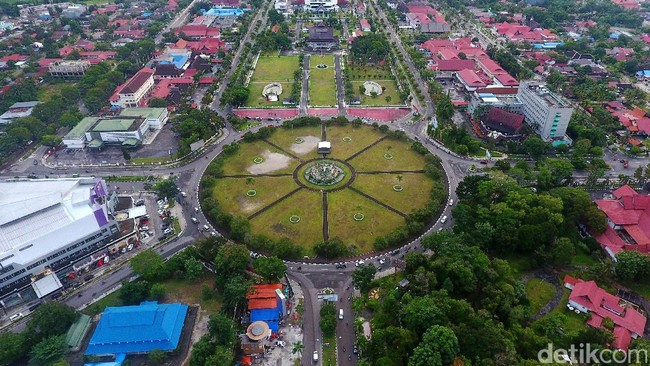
(369, 48)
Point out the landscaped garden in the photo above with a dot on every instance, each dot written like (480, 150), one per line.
(322, 81)
(271, 69)
(360, 75)
(275, 191)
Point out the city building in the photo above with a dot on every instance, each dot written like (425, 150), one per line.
(503, 122)
(18, 110)
(545, 112)
(138, 329)
(68, 68)
(129, 128)
(133, 90)
(48, 224)
(284, 7)
(73, 11)
(587, 297)
(321, 6)
(321, 38)
(628, 222)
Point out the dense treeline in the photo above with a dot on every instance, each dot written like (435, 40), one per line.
(462, 306)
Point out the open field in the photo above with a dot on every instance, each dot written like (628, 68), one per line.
(539, 293)
(275, 222)
(322, 82)
(415, 193)
(230, 193)
(390, 96)
(377, 221)
(359, 139)
(403, 158)
(242, 162)
(368, 72)
(190, 292)
(286, 139)
(271, 69)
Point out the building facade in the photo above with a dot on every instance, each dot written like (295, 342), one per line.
(134, 90)
(68, 68)
(321, 6)
(545, 112)
(48, 224)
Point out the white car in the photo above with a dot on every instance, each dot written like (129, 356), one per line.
(15, 317)
(443, 219)
(359, 263)
(382, 261)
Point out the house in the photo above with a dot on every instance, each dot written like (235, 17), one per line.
(18, 110)
(587, 297)
(138, 329)
(364, 24)
(131, 93)
(503, 121)
(628, 222)
(196, 32)
(321, 37)
(435, 27)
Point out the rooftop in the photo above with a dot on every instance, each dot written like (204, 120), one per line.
(117, 124)
(138, 328)
(82, 127)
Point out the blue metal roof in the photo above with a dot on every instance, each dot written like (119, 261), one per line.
(139, 328)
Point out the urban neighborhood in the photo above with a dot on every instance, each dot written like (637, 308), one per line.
(324, 182)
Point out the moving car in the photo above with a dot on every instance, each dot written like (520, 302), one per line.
(340, 314)
(443, 219)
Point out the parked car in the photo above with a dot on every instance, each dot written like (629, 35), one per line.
(139, 202)
(15, 317)
(194, 220)
(341, 265)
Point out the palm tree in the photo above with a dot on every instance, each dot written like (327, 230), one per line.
(297, 348)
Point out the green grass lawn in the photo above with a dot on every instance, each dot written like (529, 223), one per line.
(271, 69)
(255, 98)
(539, 293)
(243, 159)
(275, 222)
(190, 292)
(110, 300)
(230, 193)
(274, 68)
(377, 221)
(390, 96)
(360, 137)
(415, 193)
(368, 72)
(322, 82)
(403, 158)
(329, 351)
(286, 138)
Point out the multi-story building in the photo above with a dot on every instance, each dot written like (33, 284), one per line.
(134, 90)
(48, 224)
(546, 113)
(69, 68)
(321, 38)
(283, 7)
(321, 6)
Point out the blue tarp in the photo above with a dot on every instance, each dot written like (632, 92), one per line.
(548, 45)
(137, 329)
(225, 12)
(644, 73)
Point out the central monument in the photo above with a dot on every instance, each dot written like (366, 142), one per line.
(324, 173)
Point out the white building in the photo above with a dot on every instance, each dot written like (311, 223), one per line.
(133, 90)
(545, 112)
(130, 128)
(46, 225)
(69, 68)
(283, 7)
(321, 6)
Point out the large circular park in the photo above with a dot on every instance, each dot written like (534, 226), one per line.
(323, 189)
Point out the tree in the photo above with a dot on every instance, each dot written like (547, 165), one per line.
(166, 188)
(48, 351)
(157, 291)
(133, 293)
(330, 249)
(232, 260)
(13, 347)
(148, 264)
(235, 291)
(363, 276)
(328, 319)
(157, 103)
(534, 146)
(51, 140)
(193, 268)
(50, 319)
(156, 357)
(270, 268)
(298, 347)
(221, 330)
(631, 265)
(369, 48)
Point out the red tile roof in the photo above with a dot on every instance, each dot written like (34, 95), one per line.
(503, 121)
(491, 67)
(470, 78)
(601, 305)
(134, 83)
(507, 80)
(454, 65)
(364, 23)
(263, 291)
